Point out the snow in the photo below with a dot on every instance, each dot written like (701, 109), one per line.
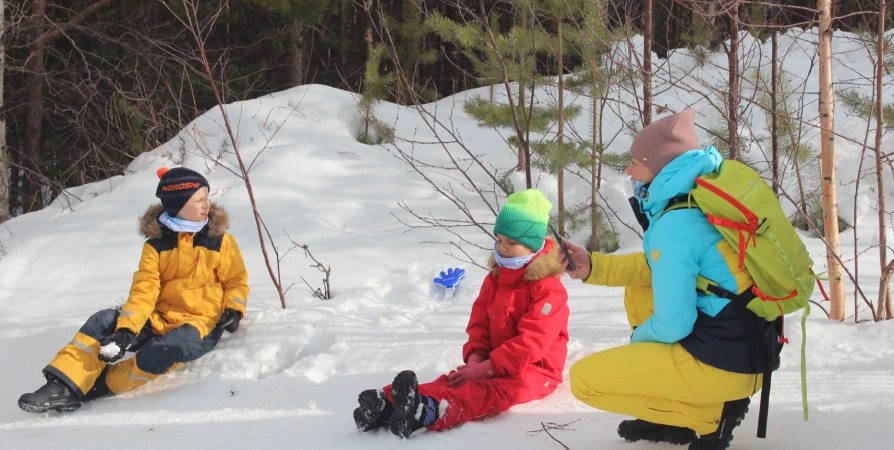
(420, 411)
(442, 407)
(110, 350)
(290, 378)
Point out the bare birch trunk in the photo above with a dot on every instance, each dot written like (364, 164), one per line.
(830, 196)
(595, 161)
(884, 299)
(522, 159)
(733, 94)
(774, 126)
(561, 137)
(648, 32)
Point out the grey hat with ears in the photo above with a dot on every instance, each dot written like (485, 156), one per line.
(663, 140)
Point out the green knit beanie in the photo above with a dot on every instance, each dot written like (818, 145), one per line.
(524, 218)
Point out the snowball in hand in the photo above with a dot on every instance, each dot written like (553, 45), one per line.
(110, 350)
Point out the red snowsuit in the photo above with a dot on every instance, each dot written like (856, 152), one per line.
(520, 322)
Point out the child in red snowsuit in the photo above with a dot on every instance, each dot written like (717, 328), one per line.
(518, 335)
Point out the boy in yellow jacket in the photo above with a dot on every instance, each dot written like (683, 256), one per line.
(190, 286)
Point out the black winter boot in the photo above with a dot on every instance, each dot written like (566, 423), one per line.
(412, 410)
(54, 395)
(732, 415)
(641, 430)
(374, 410)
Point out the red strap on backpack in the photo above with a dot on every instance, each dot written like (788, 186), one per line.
(750, 228)
(767, 298)
(747, 232)
(823, 291)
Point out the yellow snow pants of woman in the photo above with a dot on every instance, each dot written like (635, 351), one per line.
(659, 383)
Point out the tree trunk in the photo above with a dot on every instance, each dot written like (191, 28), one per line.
(343, 28)
(561, 137)
(884, 287)
(888, 308)
(648, 37)
(522, 159)
(595, 158)
(522, 135)
(367, 7)
(884, 300)
(801, 186)
(31, 186)
(527, 132)
(830, 196)
(4, 167)
(774, 126)
(601, 142)
(297, 55)
(733, 95)
(712, 8)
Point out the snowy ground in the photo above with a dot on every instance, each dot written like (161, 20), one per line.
(289, 378)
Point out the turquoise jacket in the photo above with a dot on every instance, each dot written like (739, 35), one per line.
(679, 247)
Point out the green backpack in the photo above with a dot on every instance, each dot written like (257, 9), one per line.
(746, 211)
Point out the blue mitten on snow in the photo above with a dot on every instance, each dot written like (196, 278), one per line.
(450, 279)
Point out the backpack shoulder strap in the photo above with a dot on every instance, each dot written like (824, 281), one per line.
(684, 201)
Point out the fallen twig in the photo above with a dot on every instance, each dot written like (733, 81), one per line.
(546, 426)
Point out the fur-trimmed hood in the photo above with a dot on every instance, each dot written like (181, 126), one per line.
(151, 228)
(545, 264)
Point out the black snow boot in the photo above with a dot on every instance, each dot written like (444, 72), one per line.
(732, 415)
(374, 410)
(54, 395)
(412, 410)
(640, 430)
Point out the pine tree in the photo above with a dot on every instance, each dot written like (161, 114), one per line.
(594, 78)
(411, 53)
(702, 39)
(519, 46)
(793, 151)
(299, 16)
(556, 155)
(374, 89)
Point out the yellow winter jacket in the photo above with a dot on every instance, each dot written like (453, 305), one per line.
(185, 278)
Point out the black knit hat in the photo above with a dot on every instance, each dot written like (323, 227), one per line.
(176, 186)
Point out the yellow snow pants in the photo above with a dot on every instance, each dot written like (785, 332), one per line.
(659, 383)
(78, 366)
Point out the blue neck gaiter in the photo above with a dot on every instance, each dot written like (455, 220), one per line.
(514, 263)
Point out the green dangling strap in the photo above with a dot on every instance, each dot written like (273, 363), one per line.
(819, 276)
(804, 358)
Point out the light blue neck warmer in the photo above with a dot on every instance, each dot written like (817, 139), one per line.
(515, 263)
(639, 188)
(181, 225)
